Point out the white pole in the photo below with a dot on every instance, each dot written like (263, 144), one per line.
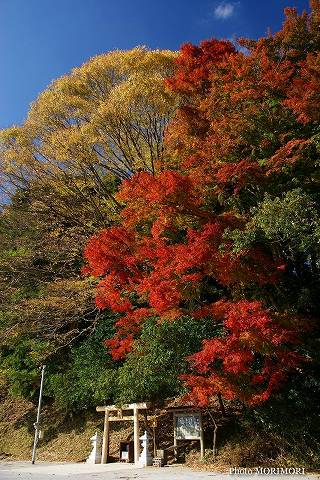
(36, 425)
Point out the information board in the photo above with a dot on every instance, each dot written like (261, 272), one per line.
(187, 426)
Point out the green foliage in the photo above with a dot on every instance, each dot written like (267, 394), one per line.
(151, 371)
(289, 228)
(19, 366)
(88, 377)
(292, 220)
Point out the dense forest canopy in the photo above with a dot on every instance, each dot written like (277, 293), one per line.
(190, 181)
(61, 169)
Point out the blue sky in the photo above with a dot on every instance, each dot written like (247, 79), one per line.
(41, 40)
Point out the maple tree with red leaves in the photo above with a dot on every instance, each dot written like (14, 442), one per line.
(249, 361)
(190, 242)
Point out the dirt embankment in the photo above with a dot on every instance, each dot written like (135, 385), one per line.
(66, 436)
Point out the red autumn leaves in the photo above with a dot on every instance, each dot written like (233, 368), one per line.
(231, 140)
(248, 361)
(159, 261)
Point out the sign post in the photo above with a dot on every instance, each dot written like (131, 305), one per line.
(188, 426)
(36, 424)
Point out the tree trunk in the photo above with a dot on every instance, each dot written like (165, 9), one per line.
(214, 448)
(214, 441)
(222, 407)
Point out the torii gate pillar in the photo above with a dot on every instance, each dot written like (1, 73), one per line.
(116, 417)
(136, 435)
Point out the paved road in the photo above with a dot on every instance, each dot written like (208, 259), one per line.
(80, 471)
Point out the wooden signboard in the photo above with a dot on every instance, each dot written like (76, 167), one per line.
(187, 426)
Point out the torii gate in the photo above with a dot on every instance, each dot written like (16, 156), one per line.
(119, 417)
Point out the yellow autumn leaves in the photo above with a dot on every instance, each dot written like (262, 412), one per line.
(100, 123)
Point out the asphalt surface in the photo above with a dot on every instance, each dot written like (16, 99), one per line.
(81, 471)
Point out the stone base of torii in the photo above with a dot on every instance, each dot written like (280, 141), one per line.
(115, 414)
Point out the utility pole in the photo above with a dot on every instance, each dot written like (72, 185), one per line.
(36, 425)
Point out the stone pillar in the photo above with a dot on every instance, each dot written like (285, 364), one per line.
(175, 441)
(201, 438)
(95, 455)
(145, 459)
